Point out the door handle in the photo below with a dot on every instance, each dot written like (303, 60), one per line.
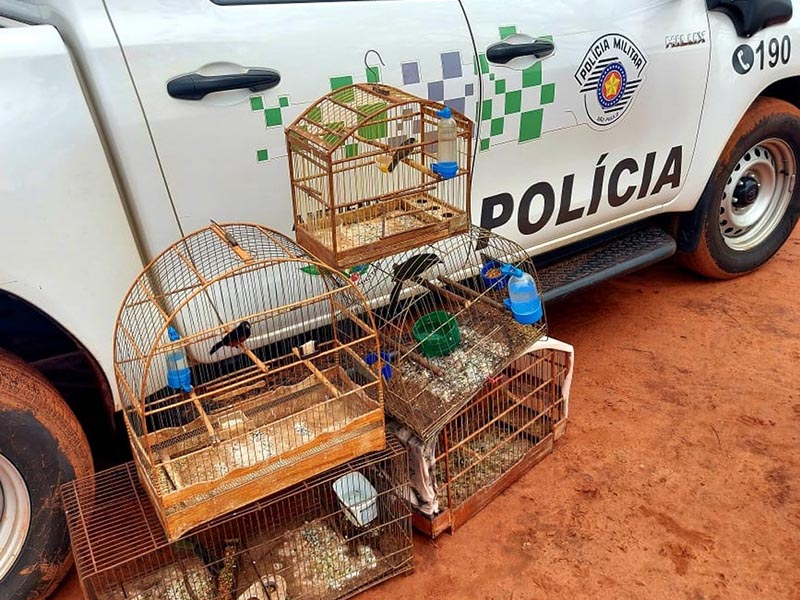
(502, 52)
(194, 86)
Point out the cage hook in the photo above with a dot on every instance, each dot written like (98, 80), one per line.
(374, 70)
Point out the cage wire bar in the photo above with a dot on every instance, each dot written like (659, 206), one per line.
(263, 382)
(443, 326)
(507, 428)
(361, 166)
(303, 543)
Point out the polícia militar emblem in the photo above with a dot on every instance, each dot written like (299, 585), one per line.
(609, 76)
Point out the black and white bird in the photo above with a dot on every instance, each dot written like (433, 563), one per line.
(409, 269)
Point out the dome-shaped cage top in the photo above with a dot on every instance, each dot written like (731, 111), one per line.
(334, 118)
(209, 282)
(234, 348)
(444, 323)
(368, 177)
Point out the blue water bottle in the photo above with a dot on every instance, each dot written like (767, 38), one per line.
(446, 166)
(179, 376)
(523, 297)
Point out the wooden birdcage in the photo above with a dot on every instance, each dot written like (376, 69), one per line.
(496, 438)
(363, 167)
(304, 542)
(443, 324)
(240, 367)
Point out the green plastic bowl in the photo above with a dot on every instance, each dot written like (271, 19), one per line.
(437, 333)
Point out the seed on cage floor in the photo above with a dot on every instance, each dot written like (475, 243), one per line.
(289, 545)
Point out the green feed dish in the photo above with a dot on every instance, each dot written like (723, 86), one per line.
(437, 333)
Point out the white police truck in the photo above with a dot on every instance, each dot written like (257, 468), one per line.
(609, 135)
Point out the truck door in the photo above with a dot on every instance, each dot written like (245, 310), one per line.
(589, 112)
(224, 153)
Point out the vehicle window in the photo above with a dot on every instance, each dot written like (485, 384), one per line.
(240, 2)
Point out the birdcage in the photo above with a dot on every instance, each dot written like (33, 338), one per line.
(496, 438)
(444, 324)
(304, 542)
(369, 178)
(240, 365)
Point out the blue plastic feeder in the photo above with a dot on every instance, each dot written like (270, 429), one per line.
(386, 368)
(493, 276)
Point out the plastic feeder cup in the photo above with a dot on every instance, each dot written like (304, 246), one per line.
(492, 276)
(437, 333)
(371, 358)
(357, 497)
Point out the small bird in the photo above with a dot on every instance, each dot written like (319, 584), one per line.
(483, 241)
(408, 269)
(404, 150)
(234, 337)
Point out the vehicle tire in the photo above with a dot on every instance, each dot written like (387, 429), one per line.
(750, 204)
(42, 446)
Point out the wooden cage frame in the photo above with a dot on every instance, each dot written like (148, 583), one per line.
(534, 419)
(439, 389)
(118, 543)
(260, 395)
(322, 168)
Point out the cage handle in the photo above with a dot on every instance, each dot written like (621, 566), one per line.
(373, 71)
(231, 241)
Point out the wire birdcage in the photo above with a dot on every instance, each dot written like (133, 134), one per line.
(366, 181)
(240, 365)
(312, 541)
(443, 324)
(507, 428)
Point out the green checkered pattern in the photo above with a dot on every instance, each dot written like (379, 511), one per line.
(513, 107)
(276, 118)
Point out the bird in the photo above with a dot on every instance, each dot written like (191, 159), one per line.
(483, 241)
(408, 269)
(404, 150)
(235, 337)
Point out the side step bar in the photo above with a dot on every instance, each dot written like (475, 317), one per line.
(610, 259)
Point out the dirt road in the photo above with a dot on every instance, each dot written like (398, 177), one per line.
(679, 475)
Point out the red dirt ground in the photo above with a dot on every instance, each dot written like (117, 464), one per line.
(679, 475)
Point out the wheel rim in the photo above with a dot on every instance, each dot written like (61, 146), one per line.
(15, 515)
(757, 194)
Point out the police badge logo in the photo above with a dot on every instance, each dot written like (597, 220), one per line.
(609, 76)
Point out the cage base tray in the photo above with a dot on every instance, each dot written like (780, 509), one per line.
(277, 439)
(451, 519)
(373, 232)
(272, 477)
